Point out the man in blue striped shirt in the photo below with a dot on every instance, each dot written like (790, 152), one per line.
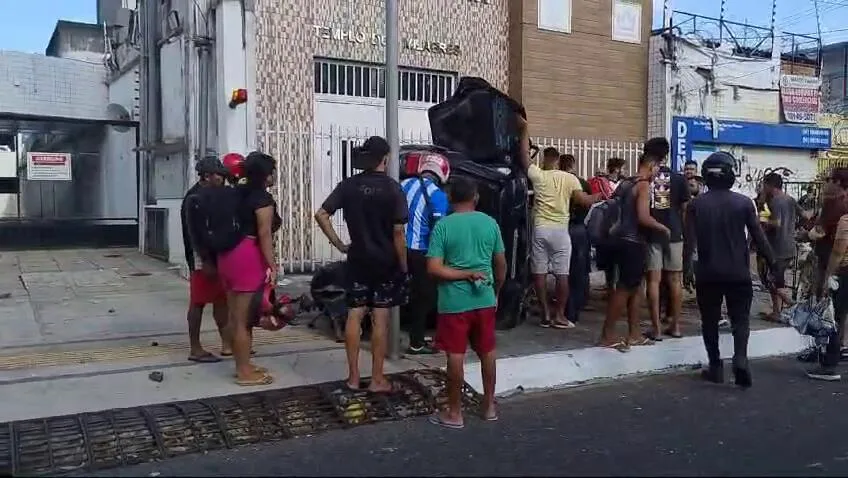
(427, 204)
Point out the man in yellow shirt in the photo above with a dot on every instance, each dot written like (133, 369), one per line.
(553, 191)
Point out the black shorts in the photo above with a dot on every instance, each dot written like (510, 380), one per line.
(382, 291)
(627, 260)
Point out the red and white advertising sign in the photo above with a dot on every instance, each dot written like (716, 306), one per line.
(48, 167)
(800, 97)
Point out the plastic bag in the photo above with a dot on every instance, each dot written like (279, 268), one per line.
(814, 318)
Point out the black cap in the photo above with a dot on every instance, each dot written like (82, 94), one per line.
(376, 147)
(210, 165)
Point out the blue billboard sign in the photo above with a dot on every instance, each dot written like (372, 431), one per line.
(686, 132)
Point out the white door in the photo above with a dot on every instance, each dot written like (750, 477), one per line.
(349, 107)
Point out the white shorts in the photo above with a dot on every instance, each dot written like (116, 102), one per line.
(551, 250)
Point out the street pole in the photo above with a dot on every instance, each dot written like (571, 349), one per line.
(392, 44)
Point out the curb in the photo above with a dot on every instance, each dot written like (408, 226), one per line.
(573, 367)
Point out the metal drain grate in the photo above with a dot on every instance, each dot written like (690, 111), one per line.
(131, 436)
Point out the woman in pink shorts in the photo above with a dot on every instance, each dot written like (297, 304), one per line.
(246, 268)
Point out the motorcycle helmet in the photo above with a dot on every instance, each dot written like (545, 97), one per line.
(234, 162)
(718, 170)
(268, 312)
(435, 164)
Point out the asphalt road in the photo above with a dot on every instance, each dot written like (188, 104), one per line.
(662, 425)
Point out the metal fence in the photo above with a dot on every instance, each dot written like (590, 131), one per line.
(313, 162)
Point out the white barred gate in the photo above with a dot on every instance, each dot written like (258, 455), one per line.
(311, 163)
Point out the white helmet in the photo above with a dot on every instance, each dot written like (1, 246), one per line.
(435, 164)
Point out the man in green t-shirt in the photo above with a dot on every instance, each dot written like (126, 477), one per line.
(466, 256)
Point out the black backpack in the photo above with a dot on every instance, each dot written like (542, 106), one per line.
(604, 218)
(214, 218)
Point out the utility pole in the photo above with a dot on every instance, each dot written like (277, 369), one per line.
(392, 89)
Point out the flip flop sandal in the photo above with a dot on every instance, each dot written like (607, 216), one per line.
(436, 419)
(620, 346)
(563, 326)
(644, 341)
(491, 418)
(264, 379)
(672, 334)
(390, 390)
(258, 370)
(206, 358)
(252, 352)
(652, 337)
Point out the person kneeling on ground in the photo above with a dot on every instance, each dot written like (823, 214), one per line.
(466, 256)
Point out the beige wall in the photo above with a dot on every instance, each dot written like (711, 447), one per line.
(580, 84)
(287, 44)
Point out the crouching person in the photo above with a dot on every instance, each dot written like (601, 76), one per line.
(466, 257)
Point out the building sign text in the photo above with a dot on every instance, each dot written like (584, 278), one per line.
(366, 38)
(800, 98)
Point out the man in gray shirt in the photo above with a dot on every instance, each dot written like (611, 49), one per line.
(780, 230)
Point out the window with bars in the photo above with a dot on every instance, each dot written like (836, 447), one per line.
(368, 81)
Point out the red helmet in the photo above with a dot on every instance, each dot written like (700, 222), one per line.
(234, 163)
(270, 312)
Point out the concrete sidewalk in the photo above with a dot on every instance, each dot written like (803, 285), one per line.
(100, 321)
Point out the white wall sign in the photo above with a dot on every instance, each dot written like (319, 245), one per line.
(48, 167)
(626, 21)
(364, 37)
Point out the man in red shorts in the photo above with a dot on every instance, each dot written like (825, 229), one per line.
(205, 288)
(466, 256)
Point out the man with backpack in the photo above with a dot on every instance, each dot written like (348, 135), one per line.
(375, 212)
(553, 191)
(204, 284)
(604, 184)
(427, 204)
(621, 225)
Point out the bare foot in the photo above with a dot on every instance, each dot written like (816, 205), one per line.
(256, 368)
(489, 413)
(254, 378)
(444, 419)
(380, 386)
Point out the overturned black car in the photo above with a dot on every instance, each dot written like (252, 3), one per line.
(476, 130)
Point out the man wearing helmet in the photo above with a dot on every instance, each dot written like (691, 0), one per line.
(204, 285)
(716, 224)
(427, 204)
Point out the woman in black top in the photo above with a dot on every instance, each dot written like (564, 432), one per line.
(251, 265)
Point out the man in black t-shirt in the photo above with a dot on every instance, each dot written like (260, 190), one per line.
(375, 211)
(204, 284)
(669, 195)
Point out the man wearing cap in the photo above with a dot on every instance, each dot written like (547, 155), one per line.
(376, 213)
(204, 286)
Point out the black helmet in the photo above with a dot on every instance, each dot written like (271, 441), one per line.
(718, 170)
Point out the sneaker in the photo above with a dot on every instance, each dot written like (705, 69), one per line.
(742, 377)
(423, 350)
(811, 355)
(724, 324)
(827, 375)
(713, 373)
